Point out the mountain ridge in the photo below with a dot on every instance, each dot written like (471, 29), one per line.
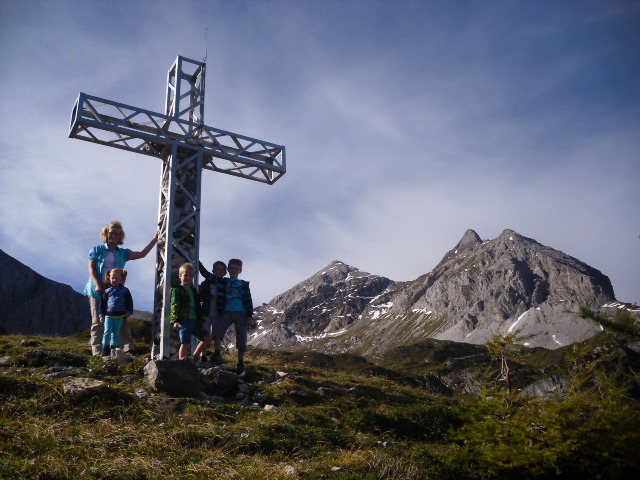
(33, 304)
(478, 289)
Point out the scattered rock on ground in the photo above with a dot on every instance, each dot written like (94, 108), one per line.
(79, 387)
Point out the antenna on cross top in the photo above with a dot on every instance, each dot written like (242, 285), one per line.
(186, 147)
(204, 60)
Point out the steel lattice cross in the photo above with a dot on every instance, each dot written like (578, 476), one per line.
(186, 146)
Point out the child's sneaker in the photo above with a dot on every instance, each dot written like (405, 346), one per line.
(201, 360)
(216, 358)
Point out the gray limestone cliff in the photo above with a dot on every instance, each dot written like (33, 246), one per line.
(327, 302)
(33, 304)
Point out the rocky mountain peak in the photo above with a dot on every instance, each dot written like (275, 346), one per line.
(338, 271)
(509, 235)
(326, 302)
(469, 239)
(507, 232)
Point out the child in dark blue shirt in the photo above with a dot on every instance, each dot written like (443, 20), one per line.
(116, 304)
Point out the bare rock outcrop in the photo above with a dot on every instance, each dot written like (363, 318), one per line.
(327, 302)
(33, 304)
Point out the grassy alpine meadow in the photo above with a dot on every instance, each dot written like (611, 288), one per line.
(321, 417)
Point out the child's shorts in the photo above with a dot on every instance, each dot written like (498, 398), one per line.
(239, 319)
(212, 324)
(189, 329)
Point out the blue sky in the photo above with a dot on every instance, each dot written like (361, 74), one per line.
(405, 123)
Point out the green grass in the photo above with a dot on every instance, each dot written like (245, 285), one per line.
(379, 424)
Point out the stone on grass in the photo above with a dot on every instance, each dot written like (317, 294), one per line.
(221, 381)
(79, 387)
(179, 377)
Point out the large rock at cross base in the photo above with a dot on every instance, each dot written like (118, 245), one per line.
(221, 381)
(175, 377)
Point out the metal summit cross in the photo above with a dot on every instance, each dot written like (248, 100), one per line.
(186, 146)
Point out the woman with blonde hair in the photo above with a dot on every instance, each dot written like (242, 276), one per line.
(103, 258)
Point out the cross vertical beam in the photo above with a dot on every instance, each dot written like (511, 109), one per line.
(180, 189)
(179, 224)
(185, 146)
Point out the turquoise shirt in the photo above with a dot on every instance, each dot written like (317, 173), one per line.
(234, 296)
(99, 254)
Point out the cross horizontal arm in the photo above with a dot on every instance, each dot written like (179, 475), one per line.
(137, 130)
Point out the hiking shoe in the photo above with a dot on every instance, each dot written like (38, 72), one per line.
(216, 358)
(240, 368)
